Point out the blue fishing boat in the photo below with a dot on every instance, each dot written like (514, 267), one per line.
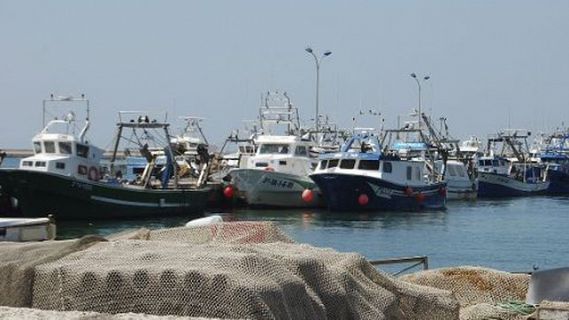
(556, 156)
(364, 177)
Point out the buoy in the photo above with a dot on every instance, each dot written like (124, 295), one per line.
(442, 191)
(408, 191)
(228, 192)
(363, 199)
(307, 195)
(420, 197)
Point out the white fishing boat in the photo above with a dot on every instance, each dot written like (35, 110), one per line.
(277, 175)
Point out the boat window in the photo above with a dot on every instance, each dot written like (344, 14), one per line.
(49, 146)
(387, 167)
(488, 163)
(82, 150)
(60, 165)
(65, 147)
(417, 173)
(323, 164)
(40, 164)
(333, 163)
(301, 151)
(481, 163)
(495, 163)
(369, 165)
(409, 172)
(27, 163)
(37, 147)
(274, 148)
(460, 171)
(347, 164)
(451, 171)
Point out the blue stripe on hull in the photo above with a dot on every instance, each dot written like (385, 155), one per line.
(559, 182)
(341, 193)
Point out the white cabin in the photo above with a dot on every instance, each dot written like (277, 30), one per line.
(63, 154)
(408, 172)
(287, 154)
(495, 165)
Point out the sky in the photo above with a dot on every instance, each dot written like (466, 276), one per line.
(493, 64)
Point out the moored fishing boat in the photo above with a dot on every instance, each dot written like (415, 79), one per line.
(510, 172)
(362, 176)
(277, 174)
(64, 177)
(555, 155)
(420, 139)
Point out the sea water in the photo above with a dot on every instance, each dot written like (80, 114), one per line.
(517, 234)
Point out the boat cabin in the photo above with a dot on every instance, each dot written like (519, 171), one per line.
(282, 153)
(63, 154)
(361, 155)
(497, 165)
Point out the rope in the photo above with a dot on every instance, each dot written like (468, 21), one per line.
(518, 307)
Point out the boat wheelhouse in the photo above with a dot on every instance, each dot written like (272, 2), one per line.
(364, 177)
(62, 153)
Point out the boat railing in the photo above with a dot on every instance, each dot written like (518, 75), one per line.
(412, 262)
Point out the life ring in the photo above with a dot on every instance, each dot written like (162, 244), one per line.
(93, 174)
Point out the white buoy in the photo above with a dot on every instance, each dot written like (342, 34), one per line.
(214, 219)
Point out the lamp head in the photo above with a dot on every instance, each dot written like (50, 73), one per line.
(427, 78)
(327, 53)
(413, 75)
(308, 49)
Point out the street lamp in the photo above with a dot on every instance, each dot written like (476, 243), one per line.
(317, 62)
(425, 78)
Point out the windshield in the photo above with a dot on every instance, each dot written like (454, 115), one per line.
(273, 148)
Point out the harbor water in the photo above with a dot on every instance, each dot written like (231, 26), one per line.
(517, 234)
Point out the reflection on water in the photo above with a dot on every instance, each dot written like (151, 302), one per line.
(509, 234)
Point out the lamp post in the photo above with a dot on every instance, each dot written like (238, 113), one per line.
(425, 78)
(317, 61)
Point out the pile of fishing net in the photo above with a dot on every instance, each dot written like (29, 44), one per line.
(233, 270)
(37, 314)
(482, 293)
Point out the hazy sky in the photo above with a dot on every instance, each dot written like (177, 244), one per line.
(491, 62)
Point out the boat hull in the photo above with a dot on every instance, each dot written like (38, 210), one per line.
(559, 182)
(67, 198)
(260, 188)
(342, 192)
(492, 185)
(462, 191)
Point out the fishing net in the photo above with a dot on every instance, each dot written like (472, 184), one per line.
(473, 285)
(230, 271)
(18, 262)
(36, 314)
(482, 293)
(234, 232)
